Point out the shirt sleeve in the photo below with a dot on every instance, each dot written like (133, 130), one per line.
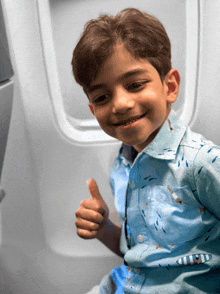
(207, 178)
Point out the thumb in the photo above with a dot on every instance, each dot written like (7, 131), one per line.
(93, 189)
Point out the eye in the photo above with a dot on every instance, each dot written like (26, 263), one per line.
(136, 86)
(102, 99)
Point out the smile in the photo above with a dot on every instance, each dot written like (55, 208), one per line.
(129, 121)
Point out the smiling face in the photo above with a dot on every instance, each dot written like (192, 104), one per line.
(129, 100)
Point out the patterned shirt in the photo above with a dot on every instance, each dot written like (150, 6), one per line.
(172, 189)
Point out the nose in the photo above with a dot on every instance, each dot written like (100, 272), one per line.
(122, 101)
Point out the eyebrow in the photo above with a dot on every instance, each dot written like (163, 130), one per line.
(122, 77)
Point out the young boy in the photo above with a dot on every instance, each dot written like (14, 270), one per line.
(165, 179)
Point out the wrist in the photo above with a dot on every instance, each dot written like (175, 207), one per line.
(105, 228)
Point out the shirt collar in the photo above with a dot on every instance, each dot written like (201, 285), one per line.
(128, 152)
(165, 144)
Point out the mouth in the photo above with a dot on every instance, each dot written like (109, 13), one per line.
(130, 120)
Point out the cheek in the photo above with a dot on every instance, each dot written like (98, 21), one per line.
(101, 117)
(150, 98)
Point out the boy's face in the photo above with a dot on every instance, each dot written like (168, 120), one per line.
(129, 100)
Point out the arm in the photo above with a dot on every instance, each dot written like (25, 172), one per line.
(110, 237)
(207, 178)
(92, 220)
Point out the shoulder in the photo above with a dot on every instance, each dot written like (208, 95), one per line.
(200, 153)
(207, 158)
(206, 175)
(194, 140)
(198, 147)
(204, 154)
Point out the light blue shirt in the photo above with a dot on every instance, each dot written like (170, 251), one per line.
(173, 214)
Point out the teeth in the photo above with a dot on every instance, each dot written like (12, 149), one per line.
(129, 122)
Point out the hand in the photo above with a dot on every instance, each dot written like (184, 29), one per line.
(92, 215)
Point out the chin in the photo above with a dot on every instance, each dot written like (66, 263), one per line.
(136, 143)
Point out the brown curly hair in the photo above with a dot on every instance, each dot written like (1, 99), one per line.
(142, 34)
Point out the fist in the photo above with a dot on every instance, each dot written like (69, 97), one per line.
(92, 215)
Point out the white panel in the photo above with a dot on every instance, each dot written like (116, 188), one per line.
(6, 98)
(45, 177)
(207, 114)
(6, 71)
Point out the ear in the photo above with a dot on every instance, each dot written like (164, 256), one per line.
(91, 108)
(172, 82)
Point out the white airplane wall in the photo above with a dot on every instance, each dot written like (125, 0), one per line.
(54, 145)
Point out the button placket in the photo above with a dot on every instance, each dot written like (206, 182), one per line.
(133, 194)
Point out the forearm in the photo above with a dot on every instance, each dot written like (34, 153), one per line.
(110, 237)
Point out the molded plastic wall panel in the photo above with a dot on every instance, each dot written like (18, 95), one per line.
(44, 177)
(5, 64)
(6, 98)
(207, 109)
(6, 89)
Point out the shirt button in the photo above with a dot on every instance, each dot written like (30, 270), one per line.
(132, 185)
(140, 238)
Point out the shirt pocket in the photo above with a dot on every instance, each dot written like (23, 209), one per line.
(172, 214)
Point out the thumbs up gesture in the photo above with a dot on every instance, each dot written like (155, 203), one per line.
(92, 215)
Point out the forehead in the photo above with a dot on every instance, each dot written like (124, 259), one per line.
(120, 61)
(119, 66)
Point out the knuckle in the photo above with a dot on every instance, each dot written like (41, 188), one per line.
(81, 233)
(85, 203)
(93, 234)
(94, 226)
(100, 219)
(97, 216)
(100, 208)
(82, 203)
(77, 223)
(78, 212)
(86, 234)
(97, 206)
(86, 225)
